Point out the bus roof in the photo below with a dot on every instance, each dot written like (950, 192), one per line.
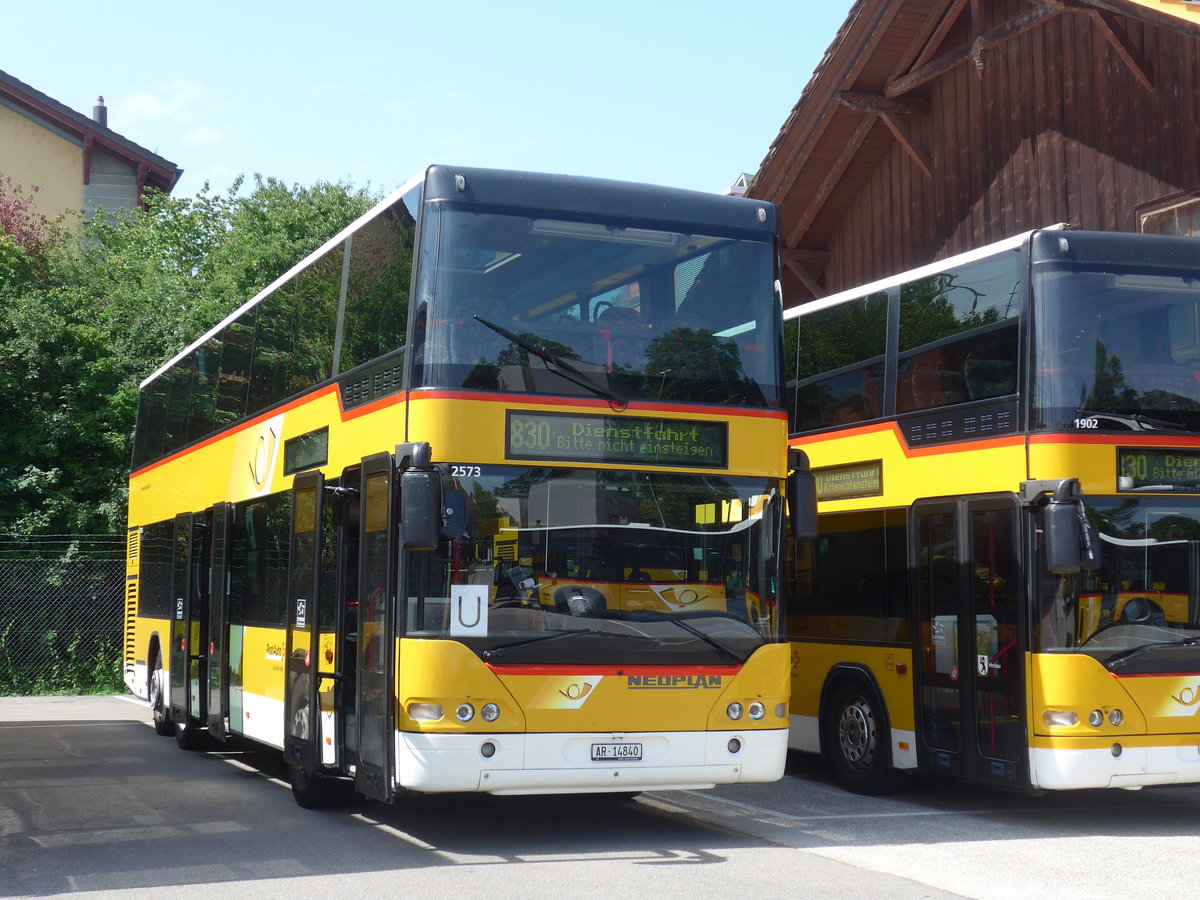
(932, 268)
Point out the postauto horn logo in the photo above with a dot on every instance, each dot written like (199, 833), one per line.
(565, 692)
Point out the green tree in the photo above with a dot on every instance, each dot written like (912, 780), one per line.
(87, 317)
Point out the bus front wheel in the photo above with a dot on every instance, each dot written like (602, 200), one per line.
(158, 700)
(315, 791)
(854, 739)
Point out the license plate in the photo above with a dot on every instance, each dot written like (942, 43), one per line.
(616, 751)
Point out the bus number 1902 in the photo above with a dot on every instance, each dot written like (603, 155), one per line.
(1090, 422)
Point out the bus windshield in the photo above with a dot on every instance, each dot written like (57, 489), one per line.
(1117, 348)
(532, 304)
(1140, 611)
(592, 567)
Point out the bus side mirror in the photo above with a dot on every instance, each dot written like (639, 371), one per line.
(1063, 555)
(420, 509)
(1072, 542)
(420, 497)
(801, 497)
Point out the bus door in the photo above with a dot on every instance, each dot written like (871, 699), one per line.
(189, 618)
(221, 517)
(374, 715)
(303, 650)
(970, 666)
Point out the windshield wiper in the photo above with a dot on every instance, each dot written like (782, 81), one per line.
(499, 651)
(1134, 421)
(708, 639)
(502, 649)
(1121, 659)
(557, 364)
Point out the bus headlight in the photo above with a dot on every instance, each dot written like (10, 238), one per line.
(1060, 717)
(1116, 717)
(490, 712)
(756, 710)
(465, 712)
(1096, 718)
(425, 712)
(734, 711)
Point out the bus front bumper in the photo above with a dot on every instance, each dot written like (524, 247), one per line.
(563, 763)
(1115, 764)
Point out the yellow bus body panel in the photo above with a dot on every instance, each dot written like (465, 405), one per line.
(553, 699)
(891, 667)
(1151, 705)
(910, 473)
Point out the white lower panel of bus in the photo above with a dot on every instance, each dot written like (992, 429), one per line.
(804, 734)
(567, 763)
(261, 719)
(1064, 770)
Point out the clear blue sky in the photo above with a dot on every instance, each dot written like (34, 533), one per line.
(687, 94)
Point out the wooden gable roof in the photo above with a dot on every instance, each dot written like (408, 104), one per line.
(871, 93)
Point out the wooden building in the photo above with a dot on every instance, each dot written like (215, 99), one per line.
(76, 161)
(934, 126)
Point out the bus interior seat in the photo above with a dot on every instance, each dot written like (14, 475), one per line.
(933, 383)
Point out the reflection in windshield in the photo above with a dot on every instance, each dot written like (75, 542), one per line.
(1146, 594)
(640, 313)
(1119, 349)
(593, 566)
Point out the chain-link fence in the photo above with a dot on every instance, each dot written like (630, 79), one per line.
(61, 608)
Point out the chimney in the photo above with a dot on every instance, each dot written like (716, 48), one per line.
(100, 113)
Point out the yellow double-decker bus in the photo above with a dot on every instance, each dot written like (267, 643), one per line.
(363, 509)
(1006, 586)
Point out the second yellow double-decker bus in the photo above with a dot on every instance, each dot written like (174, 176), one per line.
(1006, 587)
(486, 494)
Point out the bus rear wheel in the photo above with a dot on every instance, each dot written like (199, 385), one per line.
(853, 743)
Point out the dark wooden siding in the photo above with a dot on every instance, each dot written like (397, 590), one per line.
(1057, 129)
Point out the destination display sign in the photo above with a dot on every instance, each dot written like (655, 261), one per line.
(855, 480)
(607, 439)
(1158, 469)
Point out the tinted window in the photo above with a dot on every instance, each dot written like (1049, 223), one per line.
(839, 364)
(258, 562)
(377, 287)
(650, 313)
(154, 570)
(1117, 348)
(855, 585)
(958, 334)
(294, 335)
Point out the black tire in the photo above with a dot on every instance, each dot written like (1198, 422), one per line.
(312, 790)
(158, 700)
(190, 736)
(856, 742)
